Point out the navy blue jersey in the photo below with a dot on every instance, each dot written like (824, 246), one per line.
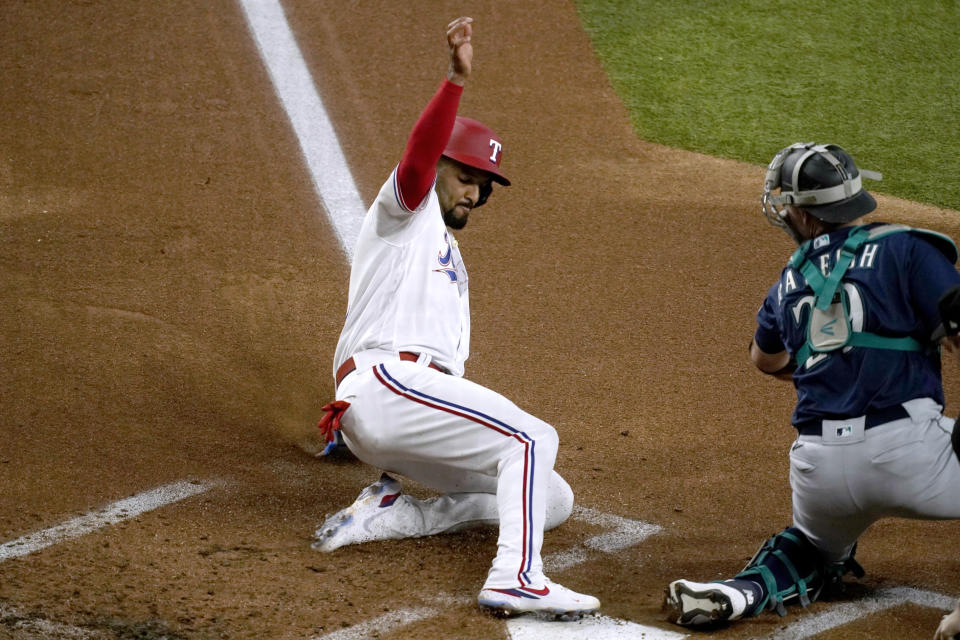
(893, 286)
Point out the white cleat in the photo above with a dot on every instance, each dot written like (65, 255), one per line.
(696, 604)
(552, 598)
(363, 521)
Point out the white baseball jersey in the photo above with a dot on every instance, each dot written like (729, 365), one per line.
(408, 287)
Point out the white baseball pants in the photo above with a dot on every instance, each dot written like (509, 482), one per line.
(492, 459)
(905, 468)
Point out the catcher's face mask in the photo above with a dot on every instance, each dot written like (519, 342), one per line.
(820, 179)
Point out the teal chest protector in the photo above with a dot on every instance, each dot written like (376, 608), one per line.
(828, 326)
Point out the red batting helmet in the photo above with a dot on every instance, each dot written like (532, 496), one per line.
(477, 146)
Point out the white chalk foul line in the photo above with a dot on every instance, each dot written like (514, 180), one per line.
(849, 611)
(17, 620)
(620, 533)
(375, 627)
(103, 517)
(318, 140)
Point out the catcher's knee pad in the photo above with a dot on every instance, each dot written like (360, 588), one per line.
(788, 567)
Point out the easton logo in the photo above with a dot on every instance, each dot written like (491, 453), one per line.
(496, 146)
(827, 329)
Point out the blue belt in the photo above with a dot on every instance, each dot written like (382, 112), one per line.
(814, 427)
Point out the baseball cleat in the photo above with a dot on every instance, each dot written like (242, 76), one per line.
(696, 604)
(552, 598)
(363, 521)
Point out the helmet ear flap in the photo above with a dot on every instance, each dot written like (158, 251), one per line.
(485, 191)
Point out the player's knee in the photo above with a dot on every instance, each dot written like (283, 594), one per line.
(559, 501)
(545, 436)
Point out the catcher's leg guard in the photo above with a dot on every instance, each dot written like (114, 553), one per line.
(789, 567)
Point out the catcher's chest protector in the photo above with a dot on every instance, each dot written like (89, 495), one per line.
(828, 323)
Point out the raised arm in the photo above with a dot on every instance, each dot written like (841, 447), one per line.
(430, 134)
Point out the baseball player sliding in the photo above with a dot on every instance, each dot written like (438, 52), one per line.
(403, 404)
(853, 320)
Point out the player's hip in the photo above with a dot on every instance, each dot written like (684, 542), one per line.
(904, 467)
(407, 405)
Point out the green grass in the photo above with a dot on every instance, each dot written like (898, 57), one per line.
(743, 78)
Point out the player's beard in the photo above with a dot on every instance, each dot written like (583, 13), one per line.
(455, 221)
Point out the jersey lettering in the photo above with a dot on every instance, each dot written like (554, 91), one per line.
(866, 259)
(856, 306)
(805, 301)
(815, 359)
(496, 146)
(825, 263)
(868, 256)
(790, 281)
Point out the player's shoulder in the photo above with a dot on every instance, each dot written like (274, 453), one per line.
(940, 241)
(916, 239)
(394, 222)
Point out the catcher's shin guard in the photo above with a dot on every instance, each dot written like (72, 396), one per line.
(788, 567)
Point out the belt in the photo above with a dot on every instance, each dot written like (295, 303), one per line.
(350, 366)
(814, 427)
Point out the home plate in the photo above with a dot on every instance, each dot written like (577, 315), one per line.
(594, 627)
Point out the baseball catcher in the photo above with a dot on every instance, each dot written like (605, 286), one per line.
(403, 404)
(855, 321)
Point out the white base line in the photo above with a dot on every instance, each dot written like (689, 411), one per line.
(620, 533)
(106, 516)
(849, 611)
(41, 628)
(375, 627)
(318, 140)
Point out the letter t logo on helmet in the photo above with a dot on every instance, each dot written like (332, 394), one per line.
(495, 144)
(476, 145)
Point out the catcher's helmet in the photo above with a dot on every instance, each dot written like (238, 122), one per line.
(820, 179)
(476, 145)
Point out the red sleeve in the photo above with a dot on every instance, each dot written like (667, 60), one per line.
(417, 168)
